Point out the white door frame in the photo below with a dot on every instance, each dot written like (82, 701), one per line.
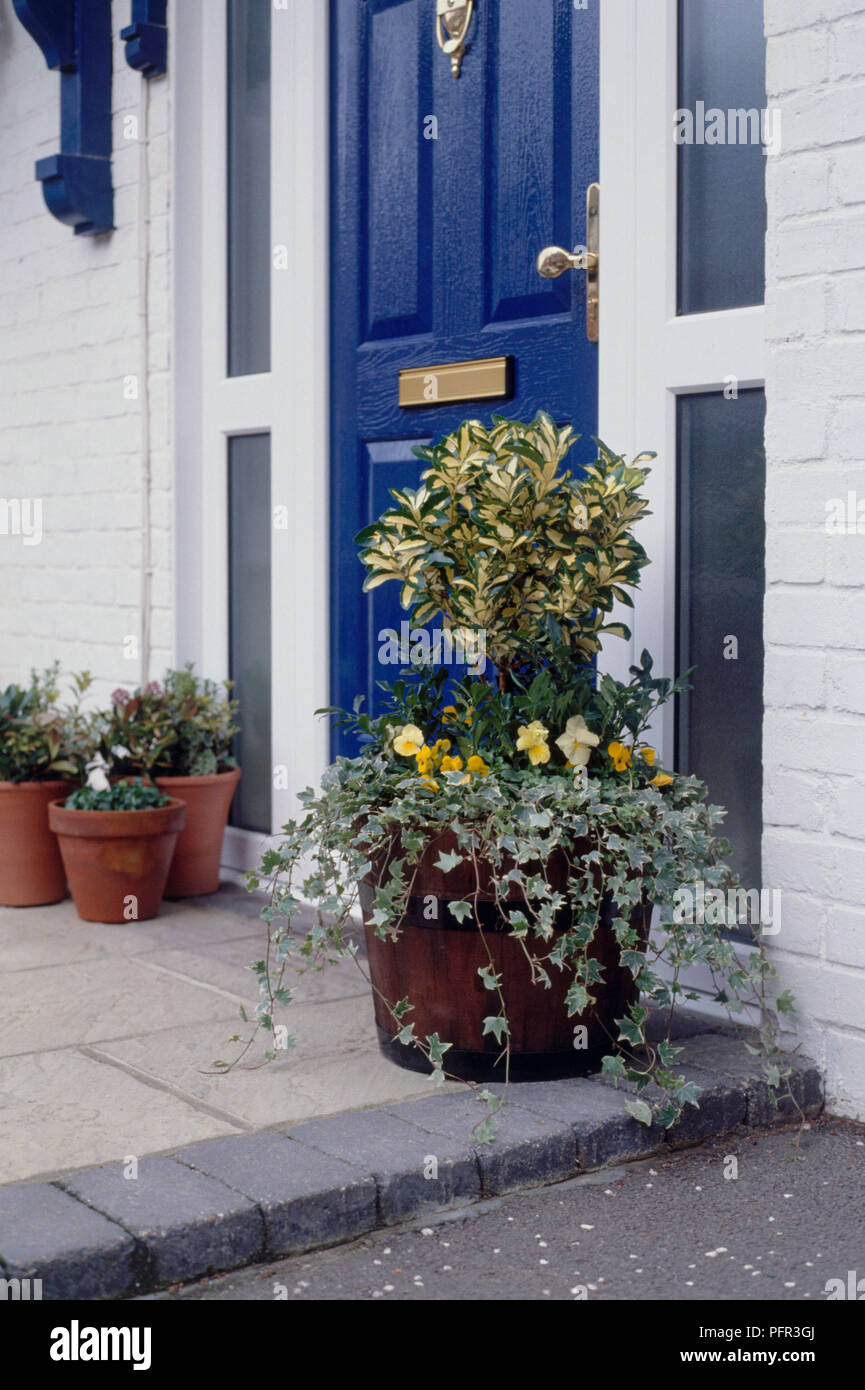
(291, 402)
(647, 354)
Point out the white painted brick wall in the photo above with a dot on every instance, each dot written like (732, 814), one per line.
(69, 334)
(814, 736)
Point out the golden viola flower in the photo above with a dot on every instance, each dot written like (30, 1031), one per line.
(648, 755)
(477, 764)
(532, 739)
(620, 755)
(577, 741)
(662, 779)
(408, 740)
(449, 714)
(449, 764)
(425, 759)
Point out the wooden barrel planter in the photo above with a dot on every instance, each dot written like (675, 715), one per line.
(435, 961)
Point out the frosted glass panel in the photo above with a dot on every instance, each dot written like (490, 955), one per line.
(722, 478)
(722, 199)
(249, 533)
(249, 249)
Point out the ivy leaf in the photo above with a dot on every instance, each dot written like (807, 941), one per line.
(640, 1111)
(490, 978)
(460, 910)
(498, 1026)
(577, 998)
(437, 1050)
(449, 861)
(629, 1031)
(614, 1067)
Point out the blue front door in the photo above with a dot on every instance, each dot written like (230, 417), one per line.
(444, 190)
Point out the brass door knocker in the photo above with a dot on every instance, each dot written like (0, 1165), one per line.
(453, 17)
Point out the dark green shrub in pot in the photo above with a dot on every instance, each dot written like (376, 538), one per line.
(179, 732)
(45, 743)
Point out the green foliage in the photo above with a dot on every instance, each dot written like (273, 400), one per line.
(499, 537)
(42, 738)
(548, 765)
(180, 727)
(132, 795)
(374, 816)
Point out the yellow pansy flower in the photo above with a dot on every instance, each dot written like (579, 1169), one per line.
(620, 755)
(477, 764)
(449, 764)
(648, 755)
(408, 740)
(532, 739)
(577, 741)
(431, 784)
(425, 759)
(449, 714)
(662, 779)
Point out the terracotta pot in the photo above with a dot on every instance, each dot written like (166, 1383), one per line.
(117, 861)
(434, 963)
(195, 868)
(31, 870)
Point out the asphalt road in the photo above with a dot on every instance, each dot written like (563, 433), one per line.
(673, 1227)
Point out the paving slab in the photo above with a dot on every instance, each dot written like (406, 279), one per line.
(409, 1176)
(62, 1110)
(46, 1234)
(31, 937)
(184, 1223)
(88, 1002)
(306, 1198)
(335, 1066)
(226, 965)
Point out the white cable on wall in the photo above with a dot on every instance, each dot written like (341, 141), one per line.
(144, 373)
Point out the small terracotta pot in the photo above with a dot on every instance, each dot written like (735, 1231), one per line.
(195, 868)
(31, 870)
(117, 861)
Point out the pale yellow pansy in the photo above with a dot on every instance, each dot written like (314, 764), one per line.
(408, 740)
(532, 739)
(577, 741)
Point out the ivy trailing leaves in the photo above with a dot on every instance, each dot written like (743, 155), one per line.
(548, 762)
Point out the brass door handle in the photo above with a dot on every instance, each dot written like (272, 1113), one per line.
(555, 260)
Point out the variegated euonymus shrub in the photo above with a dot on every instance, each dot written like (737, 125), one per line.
(529, 764)
(500, 537)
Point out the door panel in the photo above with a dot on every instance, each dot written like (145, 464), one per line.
(443, 193)
(397, 174)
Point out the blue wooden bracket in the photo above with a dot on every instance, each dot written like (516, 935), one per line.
(146, 38)
(75, 36)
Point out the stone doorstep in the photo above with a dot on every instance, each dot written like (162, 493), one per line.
(226, 1203)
